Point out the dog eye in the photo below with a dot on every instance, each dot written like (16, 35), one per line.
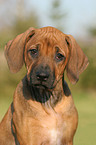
(59, 57)
(33, 52)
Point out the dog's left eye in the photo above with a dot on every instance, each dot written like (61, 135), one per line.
(59, 57)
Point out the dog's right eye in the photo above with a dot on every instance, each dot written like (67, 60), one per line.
(33, 52)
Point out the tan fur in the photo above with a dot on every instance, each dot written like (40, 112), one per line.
(54, 121)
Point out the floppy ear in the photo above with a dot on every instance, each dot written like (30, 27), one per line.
(77, 61)
(14, 50)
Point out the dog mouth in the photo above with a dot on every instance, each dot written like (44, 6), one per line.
(43, 87)
(47, 86)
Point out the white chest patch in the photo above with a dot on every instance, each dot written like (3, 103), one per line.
(55, 136)
(55, 129)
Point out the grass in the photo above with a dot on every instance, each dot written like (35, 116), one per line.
(85, 102)
(86, 106)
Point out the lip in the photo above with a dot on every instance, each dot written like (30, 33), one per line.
(41, 86)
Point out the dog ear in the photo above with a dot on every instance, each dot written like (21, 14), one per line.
(77, 60)
(14, 50)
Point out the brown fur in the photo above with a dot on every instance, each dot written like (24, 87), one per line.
(43, 111)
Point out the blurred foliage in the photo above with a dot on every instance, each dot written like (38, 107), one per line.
(92, 31)
(17, 22)
(57, 14)
(89, 76)
(19, 26)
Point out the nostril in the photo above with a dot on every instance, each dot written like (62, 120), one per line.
(41, 76)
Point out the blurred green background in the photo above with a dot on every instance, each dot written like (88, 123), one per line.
(18, 15)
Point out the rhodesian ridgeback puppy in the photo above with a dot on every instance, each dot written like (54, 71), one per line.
(43, 111)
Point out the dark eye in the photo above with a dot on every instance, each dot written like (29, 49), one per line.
(59, 57)
(33, 52)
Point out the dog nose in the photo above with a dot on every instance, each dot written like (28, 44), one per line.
(42, 76)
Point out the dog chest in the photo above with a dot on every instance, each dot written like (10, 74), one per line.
(49, 130)
(56, 130)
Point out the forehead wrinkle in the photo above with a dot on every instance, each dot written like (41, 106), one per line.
(51, 41)
(60, 39)
(51, 44)
(48, 43)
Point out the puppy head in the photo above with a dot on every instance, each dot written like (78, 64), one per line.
(47, 52)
